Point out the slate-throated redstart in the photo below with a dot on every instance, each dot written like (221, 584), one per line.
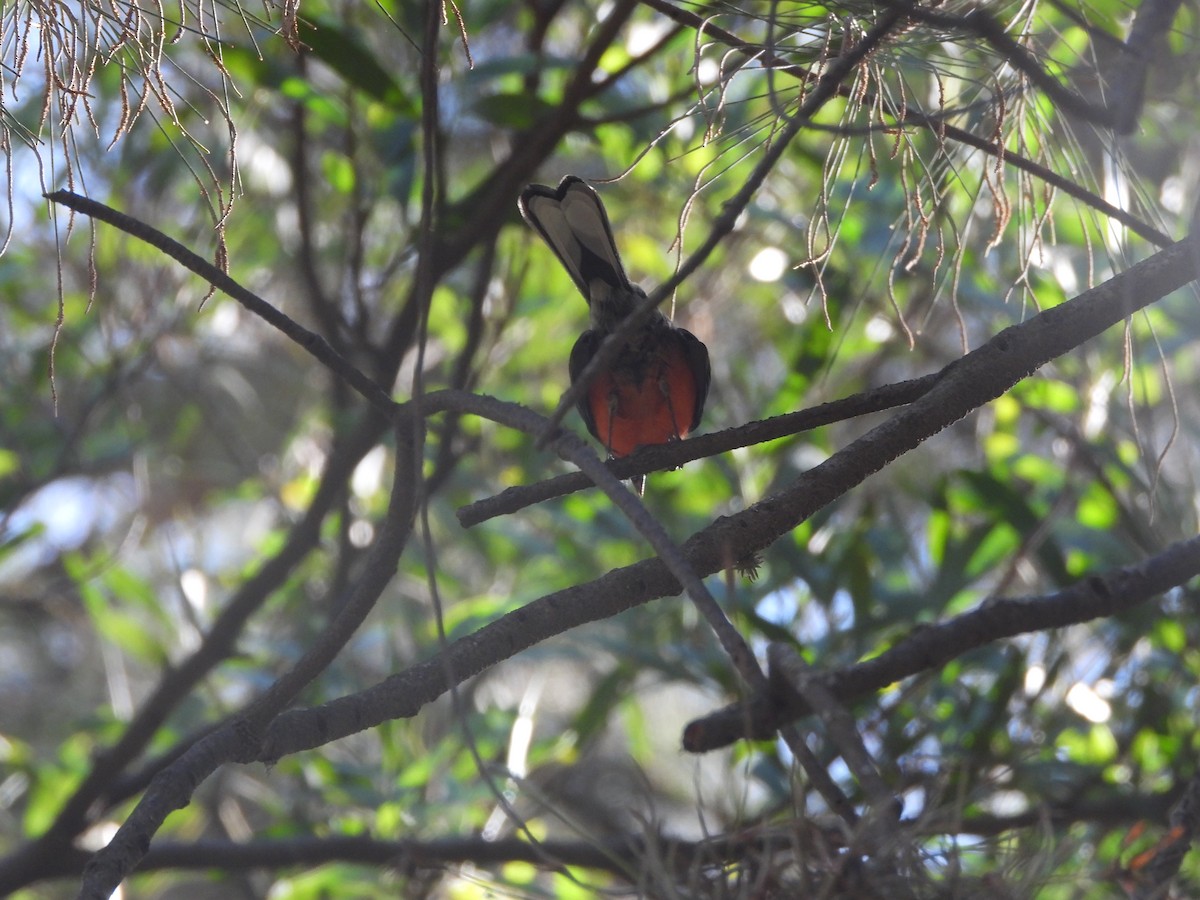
(655, 390)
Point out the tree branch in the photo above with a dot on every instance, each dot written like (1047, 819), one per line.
(933, 646)
(316, 345)
(676, 453)
(238, 741)
(936, 123)
(826, 88)
(970, 382)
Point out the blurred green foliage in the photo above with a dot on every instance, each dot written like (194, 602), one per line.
(180, 441)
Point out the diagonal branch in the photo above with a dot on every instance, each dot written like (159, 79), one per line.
(933, 646)
(309, 340)
(676, 453)
(935, 123)
(99, 790)
(967, 384)
(827, 87)
(239, 740)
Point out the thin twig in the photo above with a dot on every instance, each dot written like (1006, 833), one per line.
(936, 123)
(677, 453)
(309, 340)
(788, 668)
(825, 90)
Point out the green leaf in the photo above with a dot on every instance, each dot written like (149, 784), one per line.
(516, 110)
(335, 46)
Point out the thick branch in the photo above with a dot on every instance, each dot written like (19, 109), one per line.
(238, 741)
(933, 646)
(967, 384)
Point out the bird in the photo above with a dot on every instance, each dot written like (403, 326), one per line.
(655, 390)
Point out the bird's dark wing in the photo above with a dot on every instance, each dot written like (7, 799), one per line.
(581, 354)
(696, 355)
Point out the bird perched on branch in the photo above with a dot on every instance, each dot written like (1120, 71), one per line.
(655, 389)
